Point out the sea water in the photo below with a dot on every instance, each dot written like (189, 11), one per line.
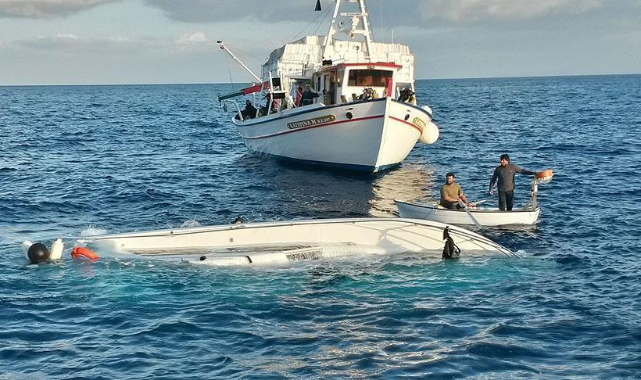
(80, 160)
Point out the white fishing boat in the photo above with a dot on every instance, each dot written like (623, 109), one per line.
(284, 242)
(479, 216)
(365, 118)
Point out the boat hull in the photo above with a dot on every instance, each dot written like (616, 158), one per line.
(280, 242)
(365, 136)
(488, 217)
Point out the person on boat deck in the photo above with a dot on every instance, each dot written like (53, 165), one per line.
(263, 109)
(250, 111)
(297, 95)
(451, 193)
(308, 96)
(407, 95)
(505, 173)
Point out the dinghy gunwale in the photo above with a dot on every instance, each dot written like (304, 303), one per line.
(479, 210)
(493, 218)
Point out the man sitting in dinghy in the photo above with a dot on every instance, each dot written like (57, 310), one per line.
(451, 193)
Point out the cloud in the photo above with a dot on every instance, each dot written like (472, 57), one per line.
(272, 11)
(202, 11)
(67, 36)
(46, 8)
(387, 11)
(60, 42)
(471, 10)
(69, 43)
(193, 38)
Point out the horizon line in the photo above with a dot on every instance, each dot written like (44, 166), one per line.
(220, 83)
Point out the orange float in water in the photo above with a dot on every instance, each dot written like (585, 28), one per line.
(79, 252)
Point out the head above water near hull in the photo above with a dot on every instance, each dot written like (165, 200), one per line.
(38, 253)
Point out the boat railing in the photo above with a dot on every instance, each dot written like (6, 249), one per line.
(235, 104)
(261, 111)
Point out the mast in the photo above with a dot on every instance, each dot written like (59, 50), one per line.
(358, 18)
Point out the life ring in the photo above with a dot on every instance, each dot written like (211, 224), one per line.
(79, 252)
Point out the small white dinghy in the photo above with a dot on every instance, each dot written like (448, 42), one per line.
(479, 216)
(284, 242)
(487, 217)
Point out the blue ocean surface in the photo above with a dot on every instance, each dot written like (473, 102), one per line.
(88, 159)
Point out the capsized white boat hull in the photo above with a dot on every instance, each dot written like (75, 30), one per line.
(282, 242)
(365, 136)
(488, 217)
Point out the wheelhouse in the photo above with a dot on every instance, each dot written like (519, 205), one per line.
(347, 82)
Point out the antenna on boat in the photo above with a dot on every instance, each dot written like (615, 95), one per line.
(226, 49)
(357, 18)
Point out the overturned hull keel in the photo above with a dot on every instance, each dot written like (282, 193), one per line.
(284, 242)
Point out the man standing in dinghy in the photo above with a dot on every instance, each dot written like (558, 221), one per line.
(451, 193)
(505, 173)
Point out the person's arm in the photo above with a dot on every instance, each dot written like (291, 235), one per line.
(493, 180)
(524, 171)
(463, 197)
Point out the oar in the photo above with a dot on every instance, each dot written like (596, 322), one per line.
(476, 222)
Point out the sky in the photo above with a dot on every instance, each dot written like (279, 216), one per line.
(174, 41)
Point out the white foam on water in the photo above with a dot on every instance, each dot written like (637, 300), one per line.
(190, 224)
(93, 231)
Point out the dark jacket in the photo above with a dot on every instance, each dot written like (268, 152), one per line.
(308, 97)
(249, 112)
(505, 175)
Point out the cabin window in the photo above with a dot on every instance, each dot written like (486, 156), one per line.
(369, 78)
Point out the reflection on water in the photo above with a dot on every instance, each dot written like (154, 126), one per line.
(303, 191)
(409, 182)
(294, 191)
